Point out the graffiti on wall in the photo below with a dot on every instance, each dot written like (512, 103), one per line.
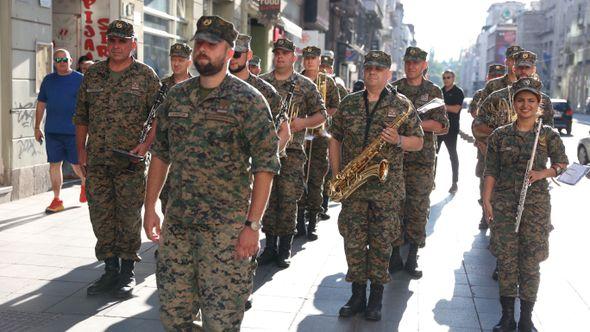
(94, 34)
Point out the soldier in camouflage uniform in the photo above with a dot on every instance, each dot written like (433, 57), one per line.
(519, 254)
(114, 100)
(506, 80)
(327, 65)
(180, 61)
(254, 65)
(369, 220)
(494, 71)
(418, 166)
(281, 217)
(316, 148)
(216, 134)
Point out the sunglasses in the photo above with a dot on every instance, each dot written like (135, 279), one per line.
(447, 77)
(237, 55)
(60, 60)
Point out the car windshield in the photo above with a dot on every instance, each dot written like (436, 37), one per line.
(560, 106)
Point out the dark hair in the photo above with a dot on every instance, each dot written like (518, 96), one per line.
(358, 85)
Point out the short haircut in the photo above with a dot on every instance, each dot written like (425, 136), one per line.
(67, 53)
(448, 71)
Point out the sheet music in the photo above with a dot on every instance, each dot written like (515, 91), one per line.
(574, 174)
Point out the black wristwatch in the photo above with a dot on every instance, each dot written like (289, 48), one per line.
(254, 225)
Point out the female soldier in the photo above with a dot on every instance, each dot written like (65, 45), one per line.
(519, 254)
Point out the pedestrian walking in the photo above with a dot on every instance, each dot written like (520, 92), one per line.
(521, 250)
(221, 163)
(453, 96)
(369, 219)
(114, 101)
(57, 95)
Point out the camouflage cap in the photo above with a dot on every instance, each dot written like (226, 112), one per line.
(311, 51)
(378, 59)
(214, 29)
(415, 54)
(512, 50)
(121, 29)
(527, 84)
(327, 60)
(255, 61)
(525, 59)
(243, 43)
(283, 44)
(496, 70)
(181, 50)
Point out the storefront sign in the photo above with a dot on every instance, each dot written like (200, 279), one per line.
(94, 36)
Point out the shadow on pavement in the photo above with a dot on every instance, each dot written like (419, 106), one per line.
(436, 212)
(22, 220)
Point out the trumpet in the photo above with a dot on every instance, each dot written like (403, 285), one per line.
(322, 85)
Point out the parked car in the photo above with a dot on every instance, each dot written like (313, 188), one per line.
(562, 115)
(583, 151)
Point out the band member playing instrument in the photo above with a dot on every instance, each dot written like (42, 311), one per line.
(316, 146)
(520, 253)
(418, 166)
(308, 111)
(369, 221)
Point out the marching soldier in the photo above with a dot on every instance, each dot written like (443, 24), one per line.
(508, 78)
(316, 149)
(213, 219)
(237, 66)
(494, 71)
(369, 220)
(418, 166)
(180, 61)
(279, 223)
(254, 65)
(327, 65)
(520, 253)
(114, 100)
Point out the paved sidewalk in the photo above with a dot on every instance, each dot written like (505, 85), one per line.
(47, 261)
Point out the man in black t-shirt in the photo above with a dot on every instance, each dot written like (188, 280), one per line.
(453, 102)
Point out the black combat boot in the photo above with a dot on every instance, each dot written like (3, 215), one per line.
(507, 322)
(395, 261)
(284, 251)
(126, 279)
(373, 311)
(412, 262)
(324, 214)
(270, 250)
(525, 323)
(108, 280)
(357, 302)
(300, 223)
(311, 234)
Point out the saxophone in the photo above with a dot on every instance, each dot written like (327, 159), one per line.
(358, 171)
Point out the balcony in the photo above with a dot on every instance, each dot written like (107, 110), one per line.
(372, 8)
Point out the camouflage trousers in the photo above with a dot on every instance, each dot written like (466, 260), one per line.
(368, 229)
(312, 201)
(196, 269)
(164, 196)
(115, 197)
(519, 255)
(419, 180)
(280, 217)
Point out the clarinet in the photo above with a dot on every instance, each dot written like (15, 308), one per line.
(283, 114)
(147, 126)
(525, 182)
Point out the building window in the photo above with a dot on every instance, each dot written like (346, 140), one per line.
(164, 24)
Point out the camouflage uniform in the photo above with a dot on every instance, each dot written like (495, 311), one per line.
(213, 143)
(369, 219)
(419, 166)
(114, 109)
(288, 187)
(317, 163)
(208, 153)
(183, 50)
(474, 105)
(269, 92)
(519, 254)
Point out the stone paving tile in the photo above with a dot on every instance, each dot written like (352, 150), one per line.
(143, 304)
(280, 321)
(29, 302)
